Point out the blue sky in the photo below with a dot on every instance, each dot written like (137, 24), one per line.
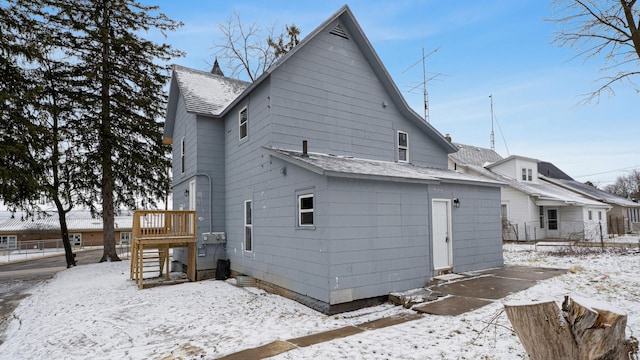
(497, 47)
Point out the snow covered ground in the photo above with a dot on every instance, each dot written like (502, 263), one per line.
(95, 312)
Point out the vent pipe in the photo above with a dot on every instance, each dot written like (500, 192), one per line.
(304, 148)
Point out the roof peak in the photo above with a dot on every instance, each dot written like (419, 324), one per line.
(216, 68)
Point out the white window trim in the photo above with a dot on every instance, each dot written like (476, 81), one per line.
(247, 226)
(11, 242)
(406, 148)
(182, 159)
(305, 211)
(245, 122)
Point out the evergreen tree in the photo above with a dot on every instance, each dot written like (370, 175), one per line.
(122, 81)
(95, 100)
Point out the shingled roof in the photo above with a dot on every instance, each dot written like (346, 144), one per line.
(351, 167)
(205, 93)
(474, 155)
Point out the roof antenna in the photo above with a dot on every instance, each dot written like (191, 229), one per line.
(493, 141)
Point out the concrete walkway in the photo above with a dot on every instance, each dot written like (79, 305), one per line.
(462, 294)
(279, 347)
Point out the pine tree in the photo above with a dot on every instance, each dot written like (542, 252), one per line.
(93, 93)
(122, 102)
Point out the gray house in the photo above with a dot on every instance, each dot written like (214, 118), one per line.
(320, 182)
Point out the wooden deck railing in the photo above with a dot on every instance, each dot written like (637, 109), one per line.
(162, 230)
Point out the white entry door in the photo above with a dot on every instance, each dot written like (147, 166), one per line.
(192, 195)
(441, 223)
(553, 223)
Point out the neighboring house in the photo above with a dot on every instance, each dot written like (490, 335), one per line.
(23, 234)
(324, 184)
(470, 155)
(624, 216)
(535, 209)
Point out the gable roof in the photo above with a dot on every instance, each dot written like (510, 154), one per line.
(357, 168)
(592, 192)
(543, 192)
(549, 170)
(206, 93)
(348, 23)
(203, 93)
(509, 158)
(474, 155)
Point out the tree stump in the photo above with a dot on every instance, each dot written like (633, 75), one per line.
(583, 330)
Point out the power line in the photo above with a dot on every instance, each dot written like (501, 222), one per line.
(610, 171)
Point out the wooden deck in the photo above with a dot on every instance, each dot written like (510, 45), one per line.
(161, 230)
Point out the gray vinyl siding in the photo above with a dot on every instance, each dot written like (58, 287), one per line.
(211, 161)
(379, 238)
(329, 95)
(185, 125)
(283, 254)
(476, 226)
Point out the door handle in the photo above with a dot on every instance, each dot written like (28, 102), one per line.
(446, 239)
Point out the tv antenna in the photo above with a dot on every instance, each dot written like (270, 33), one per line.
(425, 94)
(493, 140)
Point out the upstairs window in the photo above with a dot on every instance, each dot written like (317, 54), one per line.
(248, 226)
(524, 174)
(305, 210)
(182, 155)
(243, 118)
(403, 146)
(527, 174)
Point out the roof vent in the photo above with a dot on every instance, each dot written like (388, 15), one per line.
(339, 32)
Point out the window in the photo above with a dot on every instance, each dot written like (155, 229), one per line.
(305, 210)
(125, 238)
(524, 174)
(529, 175)
(248, 226)
(541, 212)
(182, 155)
(8, 242)
(600, 215)
(590, 215)
(403, 146)
(243, 117)
(503, 212)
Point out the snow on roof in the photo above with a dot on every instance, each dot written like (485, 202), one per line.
(593, 192)
(541, 190)
(206, 93)
(474, 155)
(52, 223)
(348, 166)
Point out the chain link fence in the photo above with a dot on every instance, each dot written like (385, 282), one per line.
(25, 250)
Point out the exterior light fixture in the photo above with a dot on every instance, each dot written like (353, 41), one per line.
(456, 202)
(186, 193)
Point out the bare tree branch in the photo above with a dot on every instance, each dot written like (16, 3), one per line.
(249, 49)
(608, 30)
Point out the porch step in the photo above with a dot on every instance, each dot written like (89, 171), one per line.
(412, 297)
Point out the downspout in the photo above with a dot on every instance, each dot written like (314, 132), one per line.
(210, 195)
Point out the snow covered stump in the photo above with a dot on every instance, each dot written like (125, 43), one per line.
(584, 330)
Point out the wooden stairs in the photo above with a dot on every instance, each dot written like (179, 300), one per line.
(153, 235)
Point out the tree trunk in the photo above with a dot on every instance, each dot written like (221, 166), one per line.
(542, 331)
(580, 332)
(108, 230)
(64, 231)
